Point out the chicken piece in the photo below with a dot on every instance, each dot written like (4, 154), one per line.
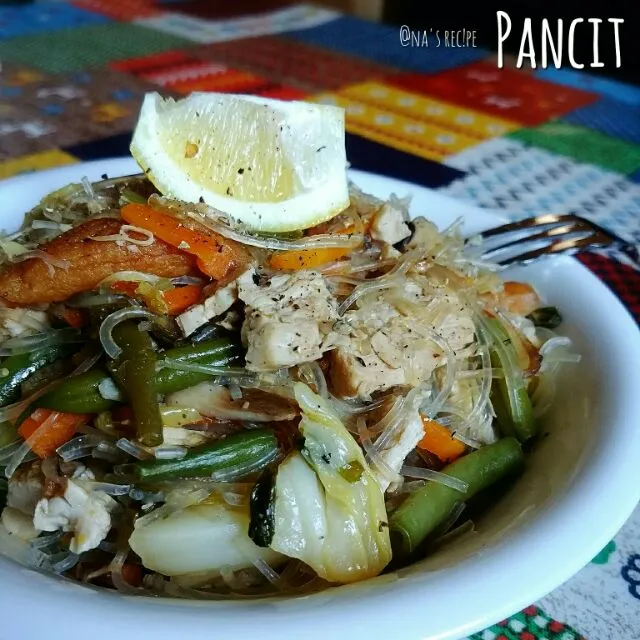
(18, 524)
(215, 305)
(394, 341)
(393, 455)
(25, 488)
(86, 513)
(389, 224)
(287, 321)
(425, 235)
(353, 375)
(21, 322)
(30, 282)
(215, 401)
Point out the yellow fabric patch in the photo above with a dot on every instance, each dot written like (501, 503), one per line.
(429, 110)
(35, 162)
(411, 122)
(395, 130)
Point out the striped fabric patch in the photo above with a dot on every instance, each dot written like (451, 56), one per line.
(522, 181)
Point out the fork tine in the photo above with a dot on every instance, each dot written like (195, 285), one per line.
(560, 246)
(537, 221)
(547, 233)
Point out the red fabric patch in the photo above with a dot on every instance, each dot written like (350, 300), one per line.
(621, 279)
(526, 635)
(506, 93)
(146, 64)
(183, 72)
(531, 610)
(311, 69)
(123, 10)
(556, 627)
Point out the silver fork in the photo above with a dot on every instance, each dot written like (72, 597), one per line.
(550, 234)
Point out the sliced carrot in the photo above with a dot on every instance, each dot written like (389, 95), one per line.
(216, 256)
(439, 441)
(309, 258)
(306, 258)
(75, 318)
(516, 297)
(176, 299)
(180, 298)
(45, 430)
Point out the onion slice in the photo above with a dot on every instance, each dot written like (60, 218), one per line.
(113, 320)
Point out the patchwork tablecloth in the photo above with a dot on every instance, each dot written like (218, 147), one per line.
(525, 142)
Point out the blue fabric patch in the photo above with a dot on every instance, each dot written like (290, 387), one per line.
(612, 117)
(635, 176)
(111, 147)
(38, 18)
(381, 43)
(611, 88)
(368, 155)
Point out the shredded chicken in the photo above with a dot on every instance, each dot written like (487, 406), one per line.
(214, 306)
(402, 443)
(21, 322)
(287, 320)
(25, 488)
(389, 224)
(393, 340)
(30, 282)
(85, 513)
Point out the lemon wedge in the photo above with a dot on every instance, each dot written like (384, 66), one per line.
(271, 165)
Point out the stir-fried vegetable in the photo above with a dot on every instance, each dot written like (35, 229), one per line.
(306, 258)
(425, 509)
(135, 372)
(439, 441)
(234, 457)
(15, 369)
(509, 396)
(80, 394)
(202, 539)
(216, 256)
(329, 510)
(46, 430)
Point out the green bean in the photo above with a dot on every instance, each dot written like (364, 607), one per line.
(16, 369)
(77, 394)
(245, 452)
(512, 404)
(135, 373)
(425, 509)
(220, 352)
(80, 394)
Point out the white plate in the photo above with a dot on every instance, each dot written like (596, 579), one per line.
(581, 484)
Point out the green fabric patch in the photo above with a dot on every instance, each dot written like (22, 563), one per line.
(531, 623)
(603, 556)
(583, 144)
(68, 50)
